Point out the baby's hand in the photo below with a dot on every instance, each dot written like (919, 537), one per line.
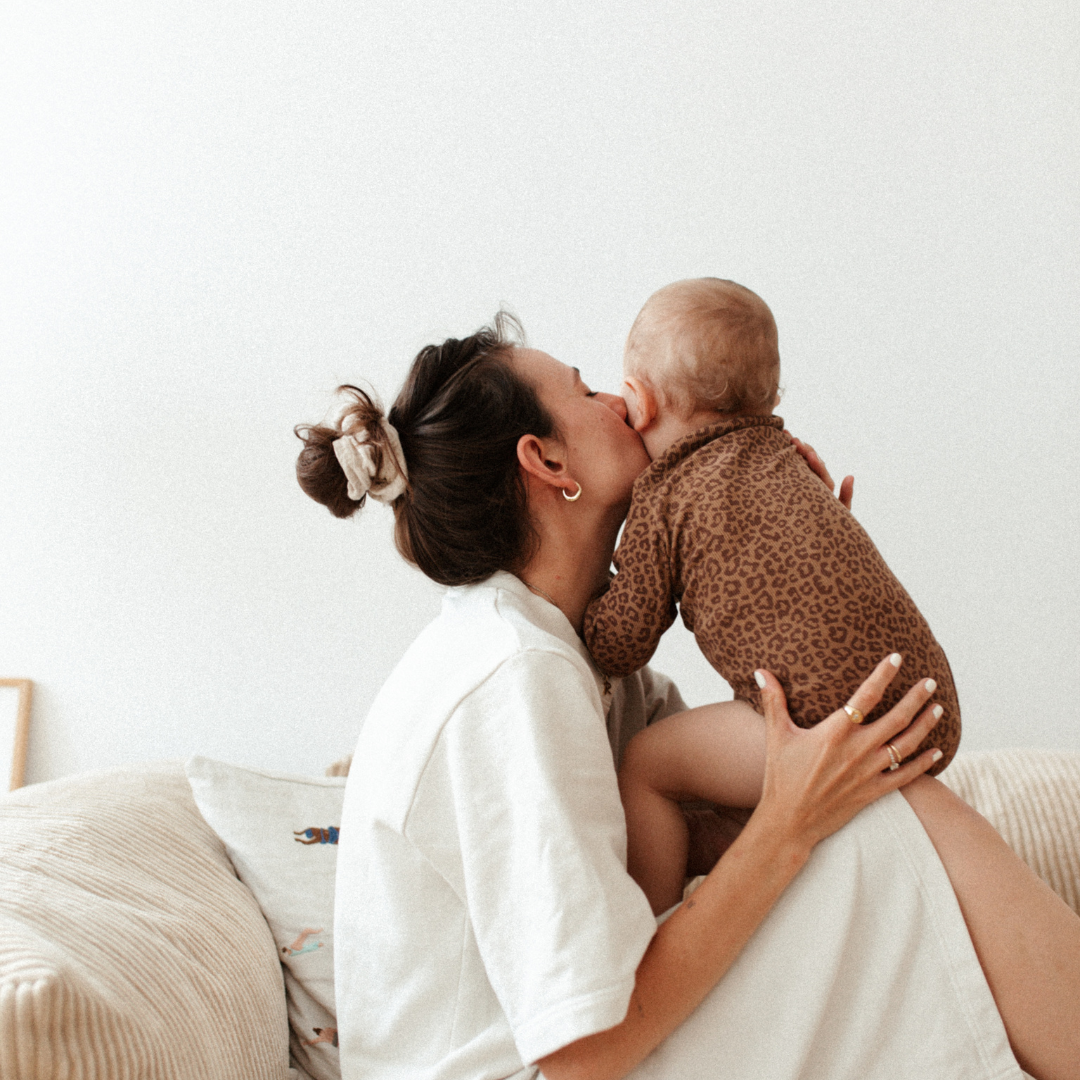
(810, 456)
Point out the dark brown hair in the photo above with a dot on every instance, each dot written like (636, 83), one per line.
(459, 416)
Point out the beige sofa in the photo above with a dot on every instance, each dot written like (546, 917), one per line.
(130, 948)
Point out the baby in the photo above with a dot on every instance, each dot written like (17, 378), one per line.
(767, 568)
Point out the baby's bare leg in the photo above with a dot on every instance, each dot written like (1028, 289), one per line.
(716, 752)
(1026, 937)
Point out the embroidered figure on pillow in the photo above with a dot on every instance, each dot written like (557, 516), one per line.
(301, 945)
(323, 1035)
(316, 835)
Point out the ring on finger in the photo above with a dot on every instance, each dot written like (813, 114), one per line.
(854, 715)
(894, 757)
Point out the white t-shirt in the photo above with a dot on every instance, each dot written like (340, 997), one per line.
(484, 917)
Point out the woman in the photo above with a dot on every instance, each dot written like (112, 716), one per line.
(485, 923)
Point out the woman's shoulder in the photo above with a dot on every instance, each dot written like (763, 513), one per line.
(481, 671)
(484, 632)
(499, 618)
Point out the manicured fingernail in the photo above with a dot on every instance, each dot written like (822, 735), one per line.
(896, 659)
(937, 755)
(930, 685)
(759, 679)
(938, 710)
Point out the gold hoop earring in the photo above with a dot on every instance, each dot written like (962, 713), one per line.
(572, 498)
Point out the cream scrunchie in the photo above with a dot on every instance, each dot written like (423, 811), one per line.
(356, 456)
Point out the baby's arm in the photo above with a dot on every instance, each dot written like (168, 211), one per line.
(716, 752)
(624, 625)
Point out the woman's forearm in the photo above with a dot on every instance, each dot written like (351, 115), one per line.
(690, 953)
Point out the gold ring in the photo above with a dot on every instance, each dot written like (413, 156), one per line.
(894, 757)
(854, 715)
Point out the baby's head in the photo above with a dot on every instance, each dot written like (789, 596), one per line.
(703, 346)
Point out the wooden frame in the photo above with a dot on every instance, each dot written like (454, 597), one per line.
(22, 730)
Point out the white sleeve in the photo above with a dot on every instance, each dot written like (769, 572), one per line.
(537, 850)
(636, 701)
(661, 696)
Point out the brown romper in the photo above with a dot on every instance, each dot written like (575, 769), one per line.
(768, 570)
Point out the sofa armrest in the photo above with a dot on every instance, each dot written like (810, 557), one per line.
(128, 947)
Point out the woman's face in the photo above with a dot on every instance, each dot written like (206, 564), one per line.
(605, 454)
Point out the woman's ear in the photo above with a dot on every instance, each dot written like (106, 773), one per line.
(543, 459)
(640, 401)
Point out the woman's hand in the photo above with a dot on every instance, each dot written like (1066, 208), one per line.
(810, 456)
(817, 780)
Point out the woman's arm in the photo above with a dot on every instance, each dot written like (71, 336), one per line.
(815, 781)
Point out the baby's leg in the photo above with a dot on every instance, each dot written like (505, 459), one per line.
(716, 752)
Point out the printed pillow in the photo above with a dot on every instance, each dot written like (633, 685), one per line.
(281, 833)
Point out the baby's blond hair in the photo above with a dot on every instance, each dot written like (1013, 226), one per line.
(706, 343)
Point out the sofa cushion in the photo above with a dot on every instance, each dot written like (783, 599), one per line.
(128, 948)
(281, 833)
(1032, 797)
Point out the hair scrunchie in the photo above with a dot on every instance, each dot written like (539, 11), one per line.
(356, 456)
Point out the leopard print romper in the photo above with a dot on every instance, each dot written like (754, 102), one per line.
(768, 570)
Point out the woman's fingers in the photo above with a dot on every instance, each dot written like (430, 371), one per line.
(817, 466)
(897, 778)
(903, 713)
(898, 728)
(811, 457)
(896, 734)
(773, 701)
(869, 693)
(816, 780)
(847, 489)
(908, 740)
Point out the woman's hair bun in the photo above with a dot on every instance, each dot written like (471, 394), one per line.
(453, 433)
(317, 468)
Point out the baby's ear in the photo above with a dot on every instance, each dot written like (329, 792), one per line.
(640, 403)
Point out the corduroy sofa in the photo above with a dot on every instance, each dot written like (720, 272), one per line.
(129, 948)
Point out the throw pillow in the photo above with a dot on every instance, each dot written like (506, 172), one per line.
(281, 833)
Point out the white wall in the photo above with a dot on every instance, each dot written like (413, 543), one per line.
(215, 213)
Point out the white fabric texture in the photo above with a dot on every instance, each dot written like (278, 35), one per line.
(128, 949)
(864, 970)
(281, 834)
(631, 705)
(484, 915)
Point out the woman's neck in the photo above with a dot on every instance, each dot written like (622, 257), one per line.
(570, 567)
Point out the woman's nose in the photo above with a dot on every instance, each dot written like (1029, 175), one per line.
(614, 403)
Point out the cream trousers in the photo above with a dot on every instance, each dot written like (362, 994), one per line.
(863, 970)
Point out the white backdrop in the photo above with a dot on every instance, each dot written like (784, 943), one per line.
(215, 213)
